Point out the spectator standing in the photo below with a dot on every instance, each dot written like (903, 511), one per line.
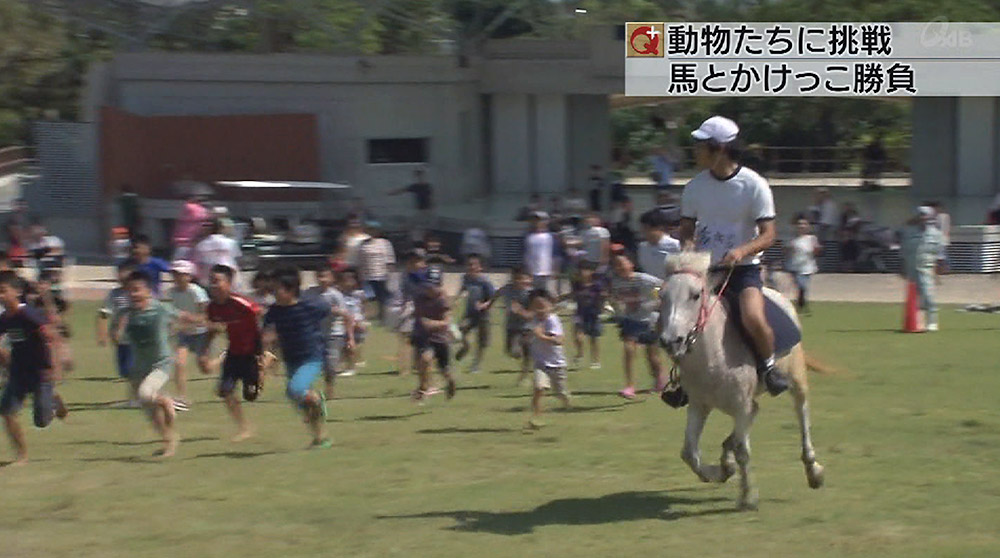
(800, 260)
(216, 249)
(943, 222)
(423, 197)
(189, 225)
(921, 245)
(576, 206)
(850, 226)
(352, 239)
(377, 259)
(539, 251)
(476, 242)
(824, 214)
(596, 181)
(663, 168)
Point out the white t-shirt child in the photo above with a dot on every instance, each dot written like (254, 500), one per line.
(191, 300)
(538, 253)
(547, 356)
(802, 255)
(593, 239)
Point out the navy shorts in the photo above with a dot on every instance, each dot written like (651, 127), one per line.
(123, 355)
(478, 322)
(639, 331)
(743, 277)
(440, 351)
(589, 324)
(18, 389)
(240, 368)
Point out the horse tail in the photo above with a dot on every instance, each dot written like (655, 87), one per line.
(816, 365)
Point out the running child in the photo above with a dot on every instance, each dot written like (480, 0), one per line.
(402, 306)
(338, 328)
(637, 294)
(29, 362)
(431, 334)
(190, 302)
(801, 255)
(144, 261)
(237, 317)
(515, 294)
(147, 325)
(354, 302)
(588, 294)
(262, 289)
(478, 292)
(116, 304)
(297, 325)
(547, 354)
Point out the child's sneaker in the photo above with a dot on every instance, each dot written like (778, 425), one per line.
(595, 365)
(348, 373)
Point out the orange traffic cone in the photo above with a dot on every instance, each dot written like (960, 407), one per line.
(911, 312)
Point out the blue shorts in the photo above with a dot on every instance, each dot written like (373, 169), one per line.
(639, 331)
(589, 324)
(123, 356)
(18, 389)
(301, 377)
(197, 343)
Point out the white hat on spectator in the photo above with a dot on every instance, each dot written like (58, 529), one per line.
(183, 266)
(718, 129)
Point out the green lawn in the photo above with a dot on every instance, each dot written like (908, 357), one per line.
(909, 432)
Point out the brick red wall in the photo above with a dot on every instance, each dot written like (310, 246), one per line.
(149, 153)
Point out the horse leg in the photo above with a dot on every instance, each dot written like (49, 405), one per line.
(741, 449)
(696, 416)
(800, 394)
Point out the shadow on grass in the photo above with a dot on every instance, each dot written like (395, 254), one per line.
(557, 408)
(610, 508)
(235, 454)
(134, 444)
(466, 430)
(387, 418)
(97, 379)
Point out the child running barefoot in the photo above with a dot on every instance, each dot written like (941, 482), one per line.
(431, 334)
(478, 293)
(354, 302)
(589, 298)
(147, 325)
(297, 325)
(338, 328)
(30, 363)
(637, 293)
(516, 339)
(115, 306)
(237, 317)
(547, 354)
(189, 301)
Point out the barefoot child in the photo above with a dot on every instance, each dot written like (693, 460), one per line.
(297, 325)
(546, 353)
(637, 293)
(189, 301)
(237, 317)
(516, 294)
(431, 334)
(30, 363)
(589, 298)
(338, 328)
(115, 306)
(478, 293)
(354, 303)
(147, 325)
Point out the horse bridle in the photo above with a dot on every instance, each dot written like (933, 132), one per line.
(704, 309)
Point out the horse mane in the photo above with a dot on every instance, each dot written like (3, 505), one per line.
(689, 262)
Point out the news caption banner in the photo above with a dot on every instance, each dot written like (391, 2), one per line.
(930, 59)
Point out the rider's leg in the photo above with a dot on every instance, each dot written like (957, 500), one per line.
(756, 326)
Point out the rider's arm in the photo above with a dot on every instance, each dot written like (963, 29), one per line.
(686, 233)
(765, 238)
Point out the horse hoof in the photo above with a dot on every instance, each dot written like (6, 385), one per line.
(717, 474)
(815, 475)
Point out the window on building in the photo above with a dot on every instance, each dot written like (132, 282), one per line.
(399, 150)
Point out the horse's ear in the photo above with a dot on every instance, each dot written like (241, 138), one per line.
(688, 261)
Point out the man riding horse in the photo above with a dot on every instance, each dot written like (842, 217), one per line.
(728, 210)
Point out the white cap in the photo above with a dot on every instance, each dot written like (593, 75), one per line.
(183, 266)
(925, 211)
(718, 129)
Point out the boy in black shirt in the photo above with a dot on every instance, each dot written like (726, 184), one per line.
(30, 361)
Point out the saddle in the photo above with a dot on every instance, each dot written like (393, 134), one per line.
(787, 332)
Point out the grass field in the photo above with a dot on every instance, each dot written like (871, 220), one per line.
(909, 432)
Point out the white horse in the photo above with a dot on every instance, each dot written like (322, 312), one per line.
(717, 371)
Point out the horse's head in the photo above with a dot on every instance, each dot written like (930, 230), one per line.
(682, 300)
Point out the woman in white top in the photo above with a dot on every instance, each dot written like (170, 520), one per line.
(800, 261)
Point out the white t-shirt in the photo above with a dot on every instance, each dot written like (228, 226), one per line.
(802, 254)
(653, 257)
(593, 239)
(191, 300)
(539, 248)
(352, 249)
(216, 249)
(727, 211)
(545, 354)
